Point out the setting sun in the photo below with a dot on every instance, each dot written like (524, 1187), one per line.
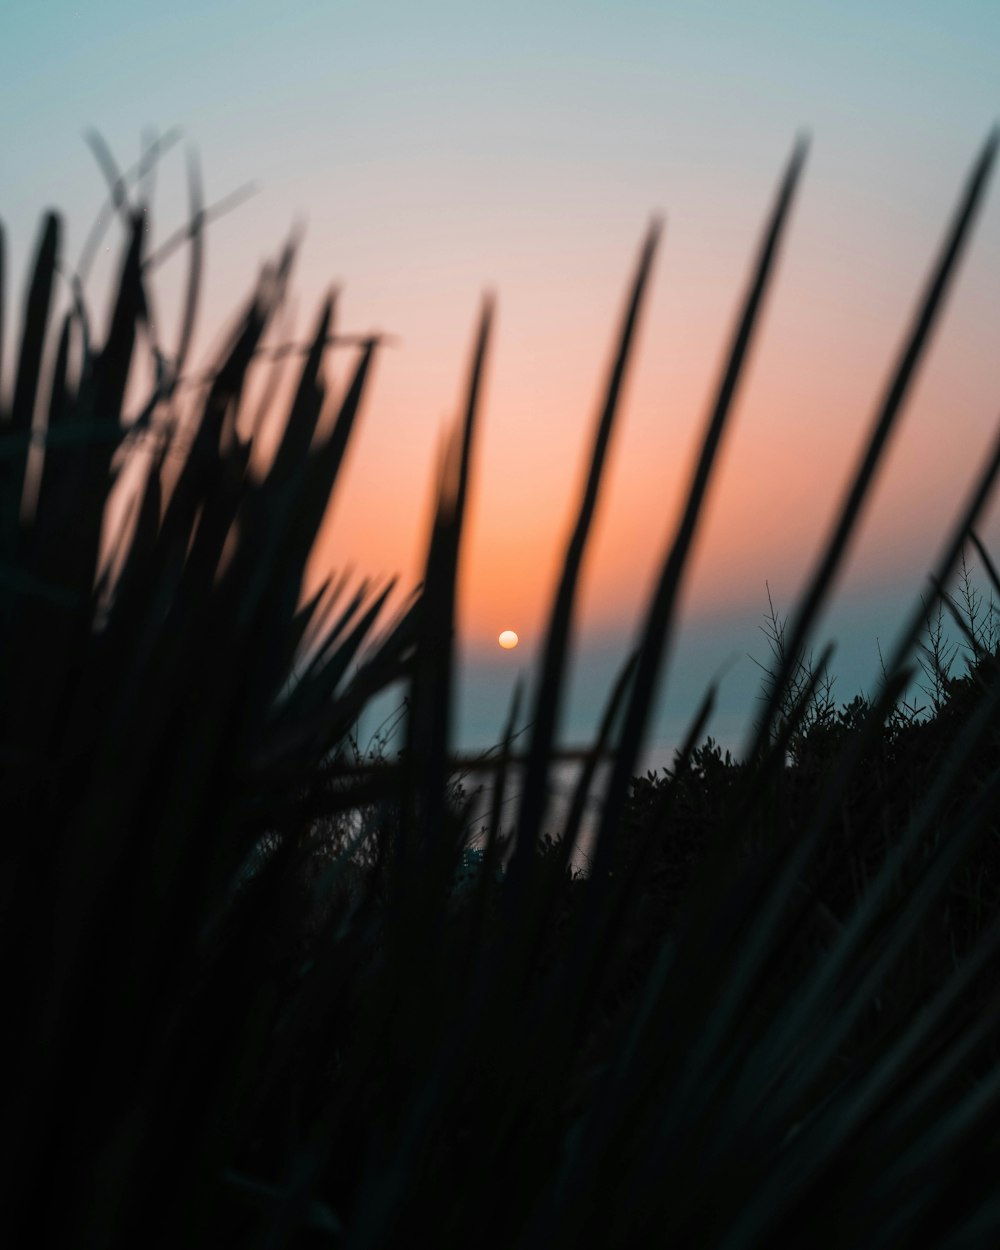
(508, 640)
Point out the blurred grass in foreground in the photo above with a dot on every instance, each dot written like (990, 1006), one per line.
(263, 995)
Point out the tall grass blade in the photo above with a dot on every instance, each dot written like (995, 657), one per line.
(4, 417)
(429, 718)
(116, 193)
(557, 639)
(656, 632)
(500, 781)
(916, 342)
(321, 473)
(598, 753)
(36, 319)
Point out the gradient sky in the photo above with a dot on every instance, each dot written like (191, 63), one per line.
(438, 150)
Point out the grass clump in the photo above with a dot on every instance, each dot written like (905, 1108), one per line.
(263, 992)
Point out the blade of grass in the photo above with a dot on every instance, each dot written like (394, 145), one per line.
(36, 318)
(557, 641)
(914, 347)
(116, 195)
(319, 481)
(599, 752)
(4, 416)
(659, 620)
(475, 938)
(428, 722)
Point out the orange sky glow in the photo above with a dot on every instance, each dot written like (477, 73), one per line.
(438, 155)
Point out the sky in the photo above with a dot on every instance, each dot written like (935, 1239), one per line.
(438, 151)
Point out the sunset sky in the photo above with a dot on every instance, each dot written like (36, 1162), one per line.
(436, 151)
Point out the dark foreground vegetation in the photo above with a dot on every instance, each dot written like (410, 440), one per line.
(260, 995)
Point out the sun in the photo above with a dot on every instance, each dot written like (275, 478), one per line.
(508, 640)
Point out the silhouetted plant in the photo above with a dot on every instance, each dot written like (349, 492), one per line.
(751, 1023)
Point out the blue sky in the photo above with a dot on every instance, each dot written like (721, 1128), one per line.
(438, 149)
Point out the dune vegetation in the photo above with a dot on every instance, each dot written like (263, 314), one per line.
(265, 992)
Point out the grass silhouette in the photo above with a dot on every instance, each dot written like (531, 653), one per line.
(262, 992)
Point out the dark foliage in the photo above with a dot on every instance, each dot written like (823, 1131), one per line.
(261, 991)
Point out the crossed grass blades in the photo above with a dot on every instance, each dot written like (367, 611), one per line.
(248, 1002)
